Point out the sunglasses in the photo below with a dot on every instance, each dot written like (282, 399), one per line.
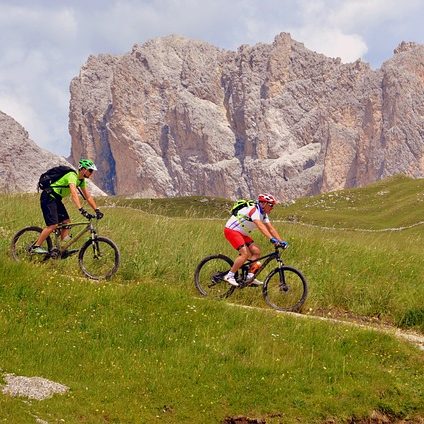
(270, 204)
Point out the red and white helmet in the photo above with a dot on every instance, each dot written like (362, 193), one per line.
(267, 198)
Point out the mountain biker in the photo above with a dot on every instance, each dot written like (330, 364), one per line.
(54, 211)
(237, 231)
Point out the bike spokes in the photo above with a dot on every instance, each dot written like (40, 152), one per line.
(285, 289)
(209, 277)
(22, 243)
(99, 259)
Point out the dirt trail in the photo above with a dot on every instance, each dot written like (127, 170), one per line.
(410, 336)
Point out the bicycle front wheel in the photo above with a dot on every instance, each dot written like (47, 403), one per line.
(209, 277)
(285, 289)
(99, 258)
(22, 242)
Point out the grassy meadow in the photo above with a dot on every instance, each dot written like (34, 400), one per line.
(145, 348)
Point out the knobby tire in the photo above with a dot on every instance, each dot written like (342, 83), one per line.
(285, 289)
(208, 277)
(23, 240)
(99, 259)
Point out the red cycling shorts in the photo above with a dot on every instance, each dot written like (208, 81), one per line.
(236, 239)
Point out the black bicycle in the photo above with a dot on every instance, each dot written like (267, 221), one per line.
(284, 288)
(98, 257)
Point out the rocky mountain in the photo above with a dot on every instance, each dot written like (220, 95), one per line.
(22, 161)
(181, 117)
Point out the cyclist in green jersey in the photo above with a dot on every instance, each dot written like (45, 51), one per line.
(54, 211)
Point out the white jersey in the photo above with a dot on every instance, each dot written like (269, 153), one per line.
(243, 222)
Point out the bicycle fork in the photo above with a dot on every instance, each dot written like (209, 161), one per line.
(282, 285)
(95, 245)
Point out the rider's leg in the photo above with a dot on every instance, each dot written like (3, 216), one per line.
(64, 233)
(240, 242)
(49, 208)
(244, 254)
(255, 252)
(44, 234)
(63, 217)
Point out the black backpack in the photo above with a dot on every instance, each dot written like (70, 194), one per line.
(49, 177)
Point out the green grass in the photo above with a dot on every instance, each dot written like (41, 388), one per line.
(145, 348)
(393, 202)
(149, 352)
(354, 263)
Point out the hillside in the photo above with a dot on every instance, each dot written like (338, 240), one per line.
(392, 202)
(145, 347)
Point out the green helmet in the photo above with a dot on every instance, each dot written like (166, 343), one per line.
(87, 164)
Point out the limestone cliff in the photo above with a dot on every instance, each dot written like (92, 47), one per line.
(181, 117)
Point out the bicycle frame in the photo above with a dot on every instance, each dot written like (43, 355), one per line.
(266, 258)
(284, 287)
(98, 257)
(89, 227)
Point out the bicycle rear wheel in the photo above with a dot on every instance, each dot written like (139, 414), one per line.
(285, 289)
(22, 242)
(209, 274)
(99, 259)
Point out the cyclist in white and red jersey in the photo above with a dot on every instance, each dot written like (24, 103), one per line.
(238, 228)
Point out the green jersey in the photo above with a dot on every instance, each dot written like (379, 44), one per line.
(61, 186)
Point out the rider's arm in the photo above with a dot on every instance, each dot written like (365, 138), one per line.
(89, 198)
(74, 195)
(266, 229)
(273, 231)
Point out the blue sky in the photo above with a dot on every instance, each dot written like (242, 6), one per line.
(44, 43)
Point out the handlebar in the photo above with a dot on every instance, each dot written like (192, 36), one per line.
(280, 246)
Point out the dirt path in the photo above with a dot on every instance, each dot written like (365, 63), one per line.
(410, 336)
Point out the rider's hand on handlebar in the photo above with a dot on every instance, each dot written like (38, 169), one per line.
(279, 243)
(99, 215)
(85, 214)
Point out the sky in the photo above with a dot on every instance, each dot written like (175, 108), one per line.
(44, 43)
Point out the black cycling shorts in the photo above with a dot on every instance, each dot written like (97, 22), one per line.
(54, 210)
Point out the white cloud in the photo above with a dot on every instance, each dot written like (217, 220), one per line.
(52, 26)
(33, 71)
(332, 42)
(18, 108)
(357, 14)
(15, 107)
(44, 43)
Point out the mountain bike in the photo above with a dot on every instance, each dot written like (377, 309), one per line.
(284, 288)
(98, 257)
